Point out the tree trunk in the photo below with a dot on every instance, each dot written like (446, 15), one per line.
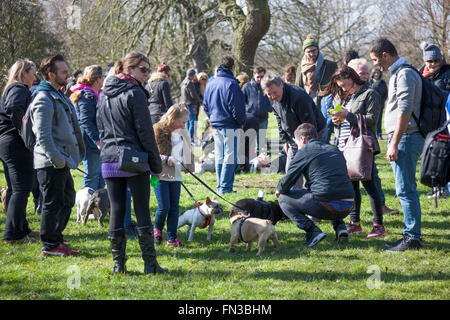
(247, 30)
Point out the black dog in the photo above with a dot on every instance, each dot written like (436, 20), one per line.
(98, 206)
(256, 208)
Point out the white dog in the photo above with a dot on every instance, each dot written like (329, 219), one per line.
(259, 163)
(82, 200)
(195, 219)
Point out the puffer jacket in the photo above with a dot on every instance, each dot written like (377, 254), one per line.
(132, 123)
(160, 100)
(86, 109)
(440, 78)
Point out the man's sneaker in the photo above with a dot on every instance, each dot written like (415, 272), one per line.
(174, 243)
(353, 228)
(407, 243)
(158, 236)
(73, 252)
(387, 210)
(60, 250)
(377, 231)
(342, 236)
(314, 237)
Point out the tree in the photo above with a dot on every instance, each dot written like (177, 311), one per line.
(23, 34)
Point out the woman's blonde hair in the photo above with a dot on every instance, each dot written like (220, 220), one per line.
(174, 113)
(131, 60)
(15, 73)
(90, 75)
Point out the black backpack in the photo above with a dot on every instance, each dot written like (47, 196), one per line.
(432, 105)
(435, 165)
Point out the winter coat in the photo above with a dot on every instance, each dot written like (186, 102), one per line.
(189, 93)
(257, 103)
(59, 142)
(380, 87)
(296, 107)
(223, 101)
(129, 109)
(441, 78)
(86, 109)
(366, 102)
(13, 106)
(160, 100)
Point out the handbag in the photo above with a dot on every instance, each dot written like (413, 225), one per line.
(359, 152)
(129, 160)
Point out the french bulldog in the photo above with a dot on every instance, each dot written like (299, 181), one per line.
(258, 208)
(195, 219)
(260, 162)
(248, 229)
(82, 199)
(98, 206)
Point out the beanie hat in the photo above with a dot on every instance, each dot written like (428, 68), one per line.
(310, 41)
(190, 73)
(163, 67)
(431, 52)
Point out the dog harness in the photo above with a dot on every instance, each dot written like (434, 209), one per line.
(241, 220)
(207, 218)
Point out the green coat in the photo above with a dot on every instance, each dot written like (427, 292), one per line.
(366, 102)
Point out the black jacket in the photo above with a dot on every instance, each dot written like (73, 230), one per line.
(159, 100)
(256, 102)
(324, 169)
(441, 78)
(132, 123)
(13, 106)
(296, 107)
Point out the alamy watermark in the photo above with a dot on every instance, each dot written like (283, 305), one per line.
(374, 281)
(74, 278)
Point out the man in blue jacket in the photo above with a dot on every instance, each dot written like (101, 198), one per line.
(258, 105)
(224, 105)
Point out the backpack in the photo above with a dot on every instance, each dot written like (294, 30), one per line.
(435, 165)
(26, 132)
(432, 105)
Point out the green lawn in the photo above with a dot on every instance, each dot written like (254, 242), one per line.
(203, 270)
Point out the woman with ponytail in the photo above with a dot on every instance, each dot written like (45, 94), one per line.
(84, 97)
(17, 159)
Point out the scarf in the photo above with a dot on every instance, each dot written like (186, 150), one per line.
(81, 87)
(127, 77)
(426, 72)
(308, 69)
(46, 86)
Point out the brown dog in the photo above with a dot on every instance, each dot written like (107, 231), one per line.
(248, 229)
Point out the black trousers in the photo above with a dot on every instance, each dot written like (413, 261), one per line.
(18, 167)
(140, 190)
(58, 198)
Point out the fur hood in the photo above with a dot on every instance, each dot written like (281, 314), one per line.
(157, 76)
(163, 137)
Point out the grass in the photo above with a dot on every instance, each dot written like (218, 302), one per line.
(206, 270)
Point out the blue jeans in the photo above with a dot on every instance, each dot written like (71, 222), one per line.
(298, 203)
(409, 150)
(225, 151)
(190, 125)
(168, 196)
(92, 166)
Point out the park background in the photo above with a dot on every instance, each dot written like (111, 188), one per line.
(188, 34)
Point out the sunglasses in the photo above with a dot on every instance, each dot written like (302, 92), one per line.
(143, 69)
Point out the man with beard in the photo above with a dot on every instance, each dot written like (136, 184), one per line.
(59, 147)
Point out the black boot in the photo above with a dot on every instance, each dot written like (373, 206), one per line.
(118, 248)
(147, 244)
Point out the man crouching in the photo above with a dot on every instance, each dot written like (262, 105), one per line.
(329, 193)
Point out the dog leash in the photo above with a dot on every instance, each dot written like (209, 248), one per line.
(210, 189)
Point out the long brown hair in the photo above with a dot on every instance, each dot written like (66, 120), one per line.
(344, 72)
(90, 75)
(131, 60)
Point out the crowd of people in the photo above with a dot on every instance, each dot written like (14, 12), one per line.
(99, 115)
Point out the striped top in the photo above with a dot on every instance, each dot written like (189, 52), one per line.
(345, 129)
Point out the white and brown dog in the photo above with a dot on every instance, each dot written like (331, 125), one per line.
(82, 199)
(201, 219)
(247, 229)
